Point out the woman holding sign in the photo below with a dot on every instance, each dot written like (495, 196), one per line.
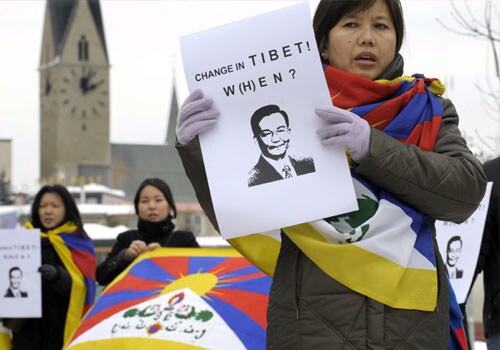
(68, 272)
(370, 279)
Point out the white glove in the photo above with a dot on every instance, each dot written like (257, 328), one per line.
(196, 115)
(345, 129)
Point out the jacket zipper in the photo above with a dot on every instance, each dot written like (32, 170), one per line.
(297, 283)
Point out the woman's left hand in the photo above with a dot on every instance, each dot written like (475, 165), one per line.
(345, 129)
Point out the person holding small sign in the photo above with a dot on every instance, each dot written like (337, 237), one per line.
(489, 259)
(374, 278)
(68, 272)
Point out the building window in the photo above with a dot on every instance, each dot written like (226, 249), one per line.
(83, 49)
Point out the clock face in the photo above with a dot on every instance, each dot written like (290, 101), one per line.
(84, 92)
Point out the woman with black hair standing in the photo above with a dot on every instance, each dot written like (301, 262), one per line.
(372, 278)
(155, 207)
(67, 270)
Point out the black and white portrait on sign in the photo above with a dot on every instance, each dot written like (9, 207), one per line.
(272, 133)
(15, 284)
(453, 251)
(459, 246)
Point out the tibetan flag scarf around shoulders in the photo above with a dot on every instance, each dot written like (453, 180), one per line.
(384, 250)
(404, 108)
(78, 256)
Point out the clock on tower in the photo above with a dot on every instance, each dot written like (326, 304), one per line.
(74, 92)
(84, 92)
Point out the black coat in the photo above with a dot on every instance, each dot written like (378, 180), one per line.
(165, 235)
(489, 256)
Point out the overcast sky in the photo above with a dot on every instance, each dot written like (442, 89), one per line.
(143, 39)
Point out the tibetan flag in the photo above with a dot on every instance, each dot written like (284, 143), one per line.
(180, 298)
(76, 251)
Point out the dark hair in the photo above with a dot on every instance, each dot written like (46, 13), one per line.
(453, 239)
(15, 268)
(263, 112)
(160, 185)
(330, 12)
(72, 214)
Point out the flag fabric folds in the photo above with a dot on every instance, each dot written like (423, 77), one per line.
(78, 256)
(180, 298)
(385, 249)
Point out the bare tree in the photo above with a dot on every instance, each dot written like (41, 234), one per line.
(485, 28)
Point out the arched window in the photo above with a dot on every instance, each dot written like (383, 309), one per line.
(83, 49)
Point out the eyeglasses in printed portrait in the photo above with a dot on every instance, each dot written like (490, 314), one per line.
(271, 132)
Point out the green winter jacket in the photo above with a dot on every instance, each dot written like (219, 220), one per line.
(310, 310)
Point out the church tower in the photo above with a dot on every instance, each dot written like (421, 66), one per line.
(74, 93)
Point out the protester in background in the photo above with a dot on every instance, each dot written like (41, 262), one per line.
(407, 158)
(67, 270)
(155, 207)
(489, 259)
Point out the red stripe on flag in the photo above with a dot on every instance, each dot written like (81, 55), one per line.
(461, 337)
(175, 265)
(229, 265)
(429, 133)
(252, 304)
(85, 261)
(134, 283)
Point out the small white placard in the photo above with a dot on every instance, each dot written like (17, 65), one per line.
(20, 281)
(459, 246)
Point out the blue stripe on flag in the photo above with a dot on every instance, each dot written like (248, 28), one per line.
(248, 331)
(147, 269)
(204, 264)
(259, 285)
(420, 226)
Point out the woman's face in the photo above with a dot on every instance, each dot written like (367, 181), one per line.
(152, 205)
(363, 43)
(51, 210)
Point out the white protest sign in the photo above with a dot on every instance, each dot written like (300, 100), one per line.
(283, 176)
(20, 281)
(459, 245)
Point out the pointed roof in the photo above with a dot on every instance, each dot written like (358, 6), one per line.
(62, 13)
(172, 117)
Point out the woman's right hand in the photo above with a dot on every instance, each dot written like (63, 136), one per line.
(138, 247)
(134, 250)
(196, 115)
